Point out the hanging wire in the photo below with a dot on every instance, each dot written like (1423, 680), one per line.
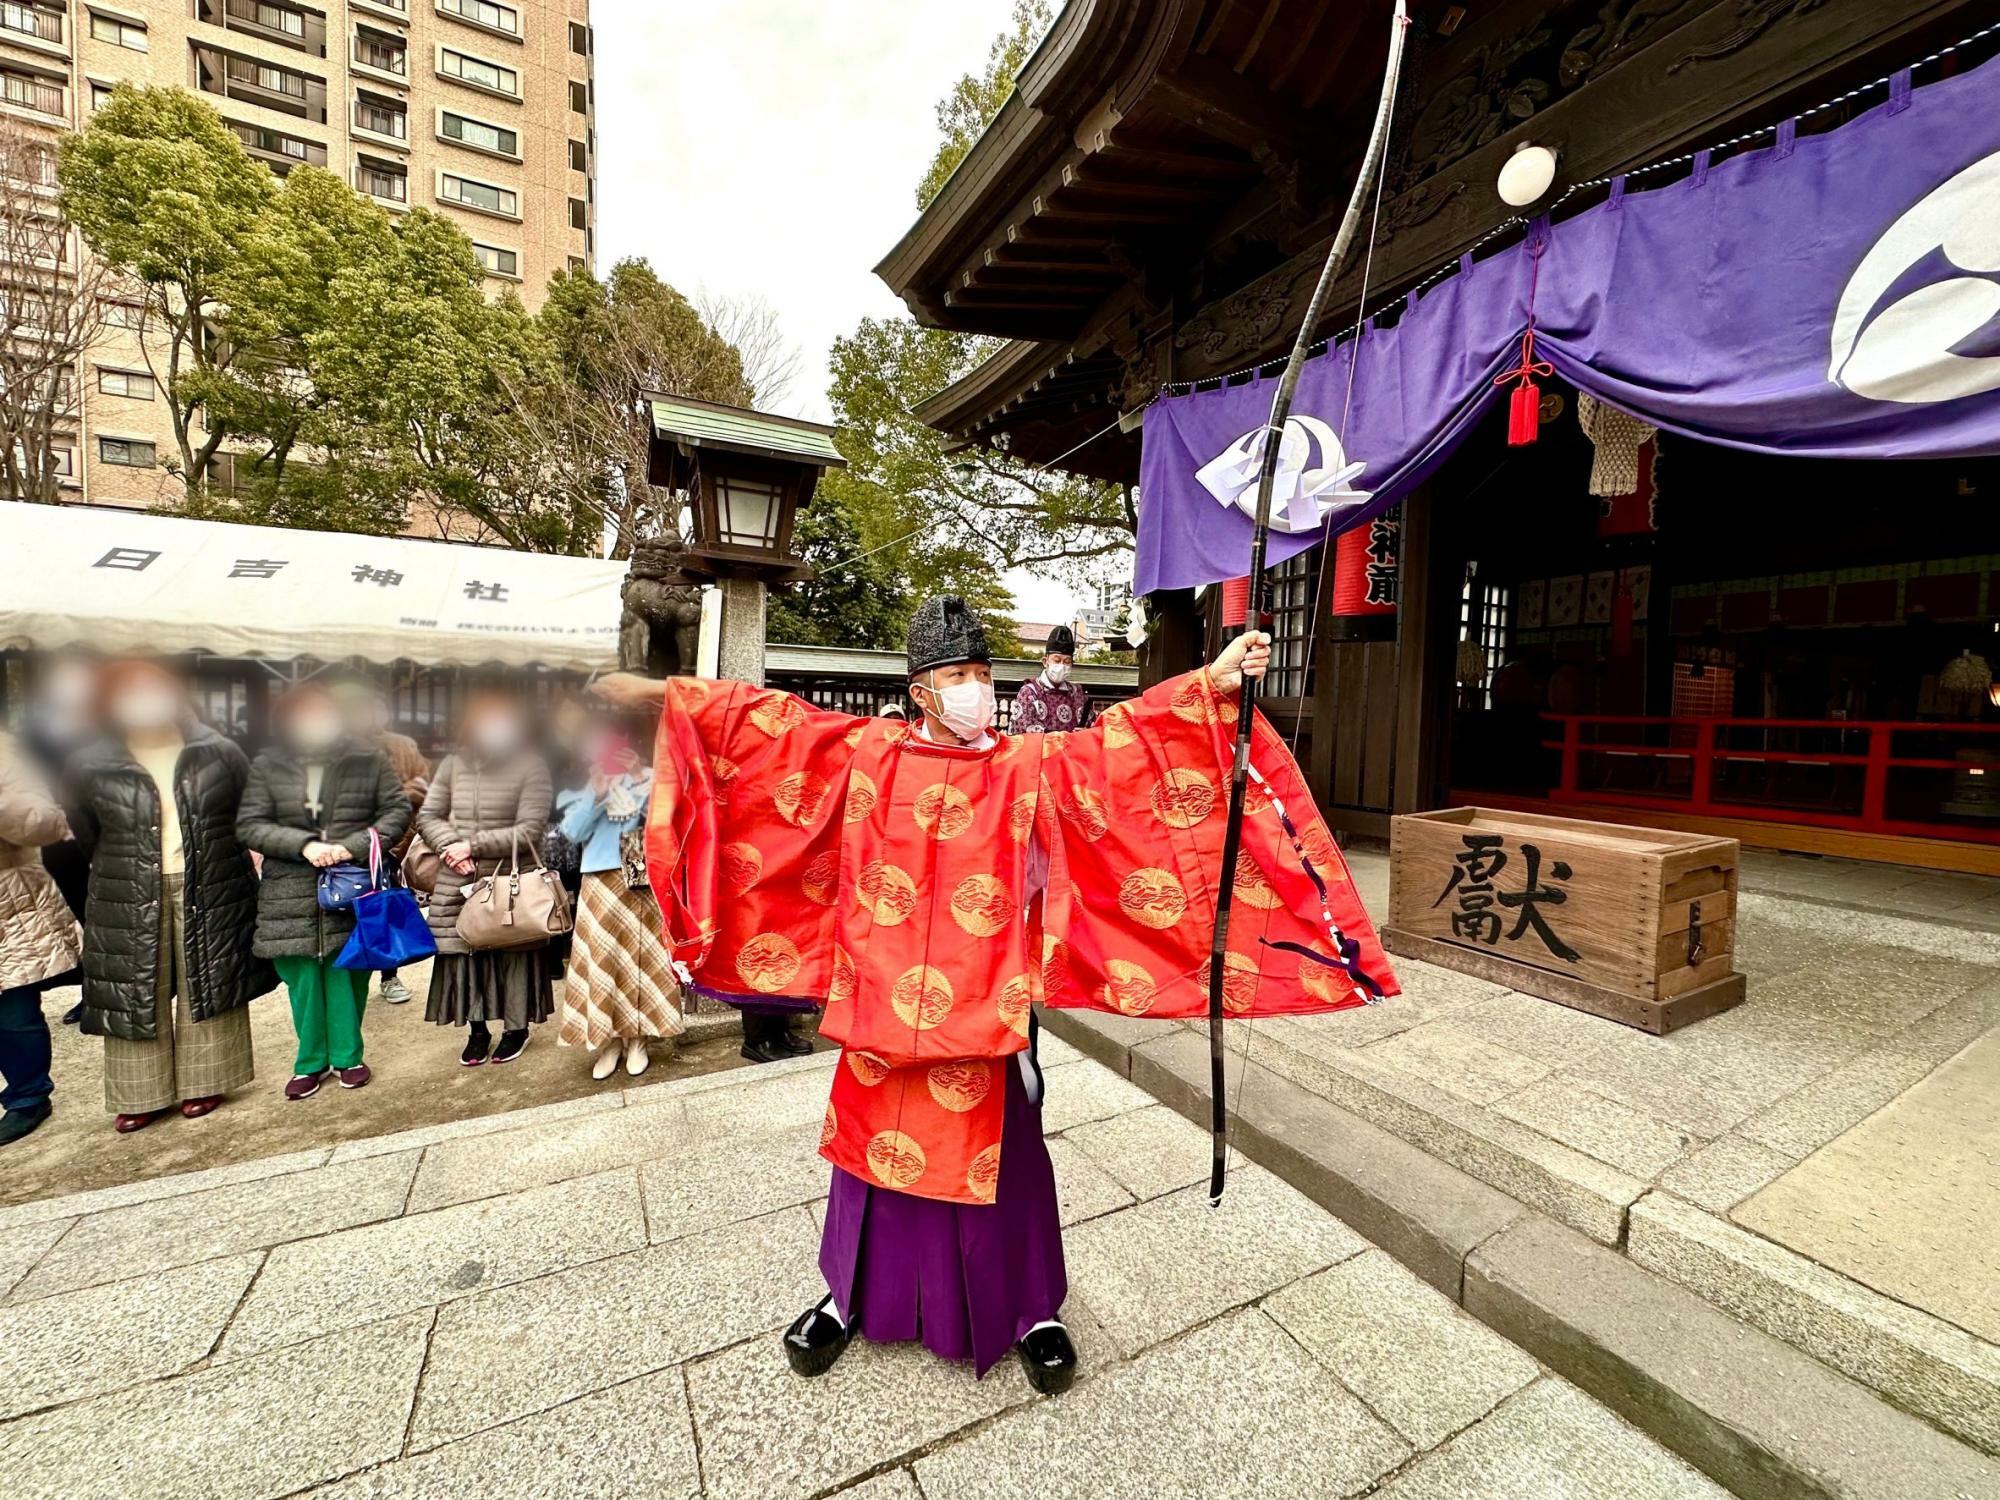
(1520, 221)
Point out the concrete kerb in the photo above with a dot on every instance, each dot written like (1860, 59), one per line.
(1751, 1411)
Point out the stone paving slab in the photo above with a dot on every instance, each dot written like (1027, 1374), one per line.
(632, 1441)
(459, 1171)
(521, 1349)
(1551, 1441)
(1724, 1172)
(1626, 1138)
(313, 1287)
(716, 1184)
(252, 1428)
(453, 1130)
(105, 1338)
(1148, 1152)
(1084, 1190)
(1235, 1408)
(1070, 1098)
(246, 1215)
(25, 1244)
(151, 1189)
(1452, 1373)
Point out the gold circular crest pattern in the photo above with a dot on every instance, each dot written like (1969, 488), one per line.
(741, 866)
(921, 997)
(867, 1067)
(777, 713)
(724, 770)
(1053, 742)
(1084, 808)
(942, 811)
(1239, 981)
(1016, 1000)
(820, 879)
(1055, 966)
(960, 1086)
(768, 962)
(982, 1178)
(844, 983)
(885, 892)
(1128, 989)
(896, 1159)
(981, 905)
(1183, 797)
(1328, 986)
(861, 797)
(829, 1127)
(1116, 724)
(799, 798)
(1253, 887)
(1152, 897)
(1021, 817)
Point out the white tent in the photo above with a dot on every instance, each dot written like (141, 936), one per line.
(133, 581)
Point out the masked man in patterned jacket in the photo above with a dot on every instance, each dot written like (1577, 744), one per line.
(928, 884)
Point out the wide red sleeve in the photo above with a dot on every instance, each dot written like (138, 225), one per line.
(1135, 858)
(742, 835)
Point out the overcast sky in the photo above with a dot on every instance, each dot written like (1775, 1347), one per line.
(772, 148)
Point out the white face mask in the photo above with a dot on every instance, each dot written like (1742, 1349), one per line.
(146, 708)
(965, 708)
(495, 737)
(315, 732)
(1057, 672)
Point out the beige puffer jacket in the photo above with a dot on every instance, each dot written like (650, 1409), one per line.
(39, 939)
(500, 808)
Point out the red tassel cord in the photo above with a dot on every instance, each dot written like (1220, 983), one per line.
(1524, 409)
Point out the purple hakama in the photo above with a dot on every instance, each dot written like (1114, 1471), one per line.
(969, 1279)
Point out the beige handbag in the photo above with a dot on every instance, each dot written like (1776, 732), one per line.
(514, 908)
(421, 865)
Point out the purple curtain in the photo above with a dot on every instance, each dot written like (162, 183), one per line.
(1831, 295)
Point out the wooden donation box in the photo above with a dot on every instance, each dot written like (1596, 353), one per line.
(1631, 924)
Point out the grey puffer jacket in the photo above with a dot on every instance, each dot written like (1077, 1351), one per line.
(115, 813)
(38, 936)
(492, 806)
(358, 790)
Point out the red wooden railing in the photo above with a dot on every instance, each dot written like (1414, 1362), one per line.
(1825, 773)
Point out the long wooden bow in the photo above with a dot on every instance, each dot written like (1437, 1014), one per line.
(1274, 434)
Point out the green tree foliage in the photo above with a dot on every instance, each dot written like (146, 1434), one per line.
(856, 599)
(976, 98)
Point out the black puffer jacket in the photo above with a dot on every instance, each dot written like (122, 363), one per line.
(115, 814)
(358, 790)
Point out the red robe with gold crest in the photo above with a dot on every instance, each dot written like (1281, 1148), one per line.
(928, 895)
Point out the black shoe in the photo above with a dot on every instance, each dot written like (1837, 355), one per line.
(73, 1015)
(789, 1041)
(512, 1045)
(477, 1045)
(760, 1040)
(815, 1340)
(26, 1121)
(1049, 1358)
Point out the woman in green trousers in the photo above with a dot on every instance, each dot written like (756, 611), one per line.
(311, 801)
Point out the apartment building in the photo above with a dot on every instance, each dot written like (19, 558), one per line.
(484, 110)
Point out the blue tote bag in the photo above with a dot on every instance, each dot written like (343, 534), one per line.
(389, 926)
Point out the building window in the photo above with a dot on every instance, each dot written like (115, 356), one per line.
(124, 315)
(126, 453)
(100, 95)
(480, 135)
(380, 51)
(497, 261)
(263, 76)
(484, 196)
(63, 462)
(275, 149)
(503, 18)
(127, 383)
(579, 214)
(279, 18)
(1482, 620)
(479, 73)
(1293, 583)
(128, 34)
(579, 97)
(579, 158)
(382, 179)
(577, 264)
(579, 39)
(381, 116)
(31, 20)
(31, 92)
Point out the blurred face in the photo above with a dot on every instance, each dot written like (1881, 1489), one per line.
(143, 697)
(492, 726)
(312, 721)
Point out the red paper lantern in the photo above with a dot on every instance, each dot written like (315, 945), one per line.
(1364, 568)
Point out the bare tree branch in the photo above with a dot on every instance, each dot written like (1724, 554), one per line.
(752, 324)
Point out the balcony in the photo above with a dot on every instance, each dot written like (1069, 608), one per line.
(388, 183)
(33, 93)
(253, 82)
(382, 55)
(35, 23)
(286, 25)
(277, 150)
(386, 121)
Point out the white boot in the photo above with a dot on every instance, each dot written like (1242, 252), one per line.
(637, 1058)
(607, 1061)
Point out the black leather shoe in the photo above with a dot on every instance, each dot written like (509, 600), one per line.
(1049, 1358)
(17, 1123)
(815, 1340)
(760, 1041)
(789, 1041)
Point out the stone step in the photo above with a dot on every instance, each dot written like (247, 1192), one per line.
(1920, 1362)
(1749, 1409)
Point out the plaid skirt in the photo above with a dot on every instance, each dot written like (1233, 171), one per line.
(620, 983)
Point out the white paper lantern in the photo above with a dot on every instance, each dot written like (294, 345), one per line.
(1527, 175)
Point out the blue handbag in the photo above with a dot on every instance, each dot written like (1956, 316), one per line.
(389, 926)
(342, 884)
